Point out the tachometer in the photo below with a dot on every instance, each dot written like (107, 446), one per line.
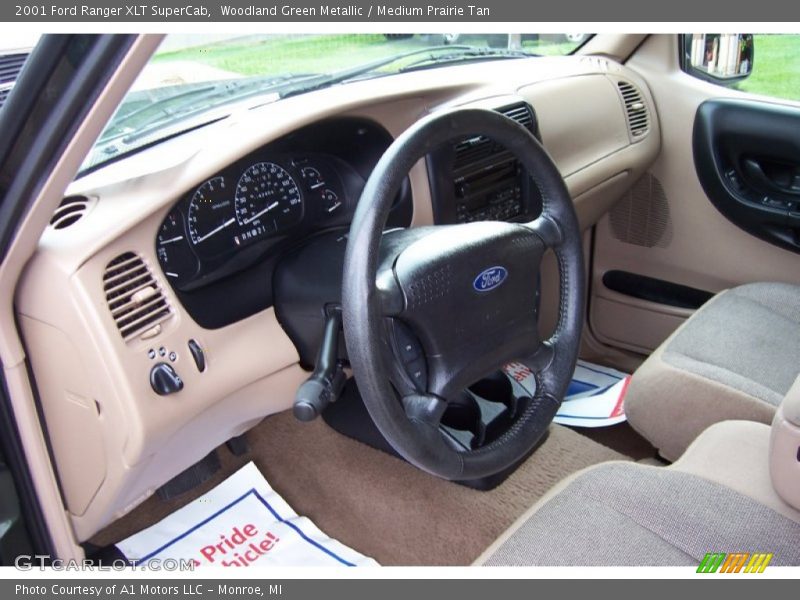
(210, 217)
(268, 196)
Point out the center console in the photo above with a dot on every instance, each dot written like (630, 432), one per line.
(476, 179)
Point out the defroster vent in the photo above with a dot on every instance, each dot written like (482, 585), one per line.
(69, 212)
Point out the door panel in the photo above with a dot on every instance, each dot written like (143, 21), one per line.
(747, 156)
(667, 229)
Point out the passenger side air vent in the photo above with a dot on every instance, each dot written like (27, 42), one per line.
(69, 212)
(635, 110)
(134, 297)
(477, 148)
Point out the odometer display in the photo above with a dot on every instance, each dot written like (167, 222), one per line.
(267, 196)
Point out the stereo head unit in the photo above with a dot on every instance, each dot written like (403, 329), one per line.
(477, 179)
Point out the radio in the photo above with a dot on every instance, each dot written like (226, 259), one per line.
(476, 179)
(494, 193)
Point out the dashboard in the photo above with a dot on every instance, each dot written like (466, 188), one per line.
(225, 236)
(175, 252)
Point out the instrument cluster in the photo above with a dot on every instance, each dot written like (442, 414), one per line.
(247, 208)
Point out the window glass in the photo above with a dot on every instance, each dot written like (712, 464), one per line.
(193, 80)
(766, 64)
(776, 67)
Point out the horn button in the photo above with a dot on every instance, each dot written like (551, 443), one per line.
(470, 296)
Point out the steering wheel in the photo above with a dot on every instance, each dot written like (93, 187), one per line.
(468, 294)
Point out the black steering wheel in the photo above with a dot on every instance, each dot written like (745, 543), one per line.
(468, 294)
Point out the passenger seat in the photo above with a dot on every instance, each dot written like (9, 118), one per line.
(735, 358)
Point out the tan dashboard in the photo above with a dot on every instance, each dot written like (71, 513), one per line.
(115, 440)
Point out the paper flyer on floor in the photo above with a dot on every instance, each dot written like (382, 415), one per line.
(595, 397)
(239, 523)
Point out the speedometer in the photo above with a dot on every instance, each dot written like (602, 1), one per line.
(268, 196)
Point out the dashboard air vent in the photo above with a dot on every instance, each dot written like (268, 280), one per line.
(521, 113)
(474, 149)
(4, 92)
(134, 297)
(635, 109)
(11, 65)
(69, 212)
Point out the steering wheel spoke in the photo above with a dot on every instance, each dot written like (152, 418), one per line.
(390, 294)
(547, 230)
(424, 408)
(541, 359)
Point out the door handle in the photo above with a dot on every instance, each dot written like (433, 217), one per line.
(754, 174)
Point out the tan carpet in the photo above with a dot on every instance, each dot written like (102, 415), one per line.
(622, 438)
(378, 504)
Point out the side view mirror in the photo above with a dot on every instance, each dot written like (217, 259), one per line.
(722, 58)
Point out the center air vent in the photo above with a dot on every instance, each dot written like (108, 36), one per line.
(477, 148)
(134, 297)
(521, 113)
(635, 110)
(71, 209)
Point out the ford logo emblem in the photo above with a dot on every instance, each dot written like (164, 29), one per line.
(491, 278)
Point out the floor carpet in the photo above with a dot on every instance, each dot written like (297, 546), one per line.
(378, 504)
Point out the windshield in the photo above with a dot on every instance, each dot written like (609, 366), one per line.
(194, 80)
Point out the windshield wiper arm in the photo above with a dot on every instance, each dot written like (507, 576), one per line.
(328, 79)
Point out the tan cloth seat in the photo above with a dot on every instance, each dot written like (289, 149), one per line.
(735, 358)
(718, 498)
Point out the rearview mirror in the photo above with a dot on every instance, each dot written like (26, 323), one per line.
(724, 58)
